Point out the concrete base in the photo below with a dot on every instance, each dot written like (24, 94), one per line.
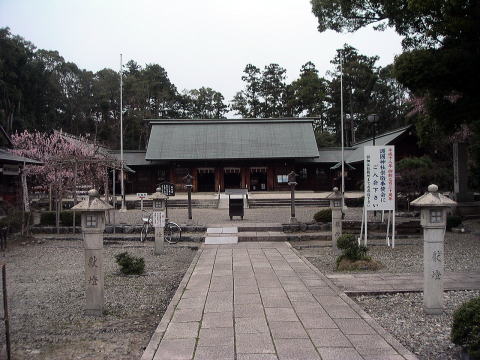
(293, 220)
(92, 312)
(190, 222)
(433, 311)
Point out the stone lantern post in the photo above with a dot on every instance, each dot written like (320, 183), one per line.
(158, 217)
(292, 182)
(336, 205)
(93, 224)
(188, 184)
(433, 207)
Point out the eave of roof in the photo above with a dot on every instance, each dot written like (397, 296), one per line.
(17, 159)
(234, 139)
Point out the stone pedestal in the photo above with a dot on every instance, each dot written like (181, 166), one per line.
(94, 278)
(336, 227)
(159, 240)
(433, 270)
(433, 210)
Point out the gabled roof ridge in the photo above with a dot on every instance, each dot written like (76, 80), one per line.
(232, 121)
(384, 134)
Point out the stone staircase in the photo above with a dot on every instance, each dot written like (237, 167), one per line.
(258, 203)
(182, 203)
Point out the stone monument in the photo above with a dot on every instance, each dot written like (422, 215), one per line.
(292, 182)
(336, 205)
(158, 217)
(93, 224)
(433, 207)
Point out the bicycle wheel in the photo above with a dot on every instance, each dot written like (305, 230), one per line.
(173, 233)
(144, 233)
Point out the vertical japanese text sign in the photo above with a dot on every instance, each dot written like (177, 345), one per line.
(379, 177)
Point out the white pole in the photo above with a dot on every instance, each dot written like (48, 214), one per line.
(366, 226)
(388, 228)
(122, 186)
(361, 226)
(341, 130)
(393, 229)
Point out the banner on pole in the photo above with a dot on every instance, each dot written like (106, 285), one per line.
(379, 177)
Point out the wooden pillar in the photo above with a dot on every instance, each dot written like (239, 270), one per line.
(218, 181)
(194, 174)
(245, 174)
(270, 178)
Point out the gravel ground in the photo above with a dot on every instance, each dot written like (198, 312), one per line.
(260, 215)
(462, 254)
(402, 315)
(46, 299)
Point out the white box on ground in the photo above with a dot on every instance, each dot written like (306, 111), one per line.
(158, 218)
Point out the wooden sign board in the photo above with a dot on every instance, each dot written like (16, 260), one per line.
(167, 188)
(379, 172)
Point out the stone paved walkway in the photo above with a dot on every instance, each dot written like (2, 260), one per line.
(367, 283)
(262, 301)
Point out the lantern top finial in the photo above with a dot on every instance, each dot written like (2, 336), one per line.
(92, 203)
(433, 198)
(335, 194)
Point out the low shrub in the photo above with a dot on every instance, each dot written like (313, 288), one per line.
(130, 265)
(13, 220)
(453, 221)
(323, 216)
(47, 218)
(351, 250)
(466, 327)
(66, 218)
(349, 265)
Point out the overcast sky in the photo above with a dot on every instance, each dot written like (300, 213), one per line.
(198, 42)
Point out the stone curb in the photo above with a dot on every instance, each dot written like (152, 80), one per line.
(407, 354)
(157, 336)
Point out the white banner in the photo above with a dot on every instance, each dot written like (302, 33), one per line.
(379, 177)
(158, 218)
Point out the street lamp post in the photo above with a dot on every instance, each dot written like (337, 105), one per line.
(373, 119)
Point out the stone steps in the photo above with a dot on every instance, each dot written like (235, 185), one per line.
(257, 203)
(221, 235)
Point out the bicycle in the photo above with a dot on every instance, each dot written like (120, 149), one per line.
(172, 232)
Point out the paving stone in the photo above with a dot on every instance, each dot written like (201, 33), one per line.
(321, 291)
(190, 303)
(328, 338)
(296, 349)
(215, 353)
(340, 312)
(287, 330)
(245, 289)
(354, 326)
(281, 314)
(175, 349)
(272, 301)
(217, 320)
(254, 344)
(371, 345)
(249, 310)
(308, 308)
(242, 299)
(182, 330)
(339, 354)
(215, 337)
(317, 321)
(187, 315)
(257, 357)
(301, 296)
(253, 325)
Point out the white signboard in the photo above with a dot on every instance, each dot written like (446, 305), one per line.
(379, 176)
(142, 195)
(158, 218)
